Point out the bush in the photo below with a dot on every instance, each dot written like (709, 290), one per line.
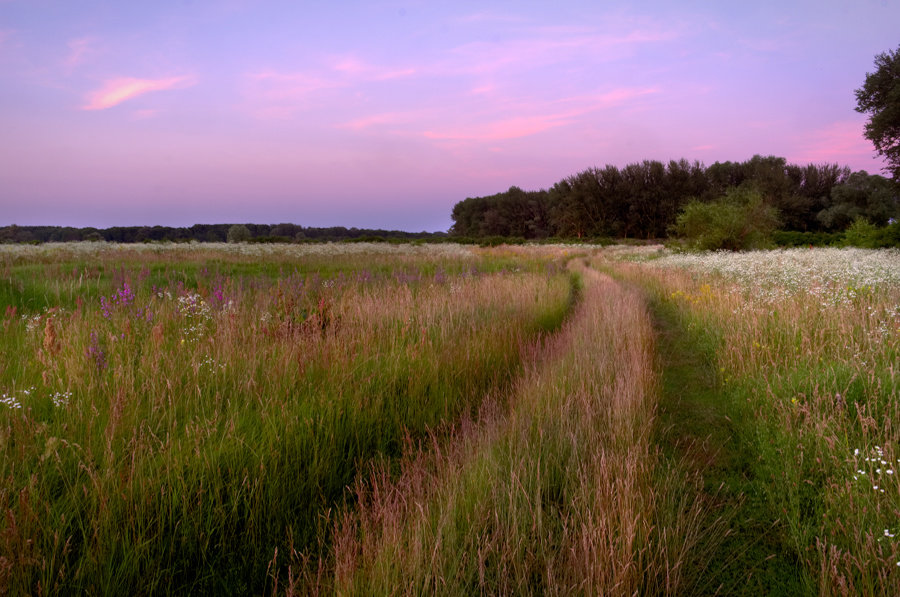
(863, 233)
(793, 238)
(238, 234)
(739, 221)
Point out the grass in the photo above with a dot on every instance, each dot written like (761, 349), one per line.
(806, 368)
(208, 427)
(554, 494)
(374, 419)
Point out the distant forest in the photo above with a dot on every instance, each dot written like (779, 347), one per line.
(217, 233)
(642, 200)
(639, 201)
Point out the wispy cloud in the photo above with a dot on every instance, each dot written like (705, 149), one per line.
(488, 17)
(281, 86)
(355, 68)
(381, 119)
(542, 117)
(116, 91)
(79, 49)
(278, 95)
(504, 129)
(549, 46)
(5, 36)
(840, 142)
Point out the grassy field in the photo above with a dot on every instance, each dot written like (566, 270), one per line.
(401, 419)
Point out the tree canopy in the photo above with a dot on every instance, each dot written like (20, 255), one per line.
(643, 200)
(879, 97)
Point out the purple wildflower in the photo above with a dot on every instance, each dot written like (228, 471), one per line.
(96, 353)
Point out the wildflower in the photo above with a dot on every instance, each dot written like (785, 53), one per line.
(96, 353)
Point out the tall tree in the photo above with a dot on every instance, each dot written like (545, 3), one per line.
(879, 97)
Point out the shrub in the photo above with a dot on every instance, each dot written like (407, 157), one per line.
(238, 234)
(794, 238)
(740, 220)
(863, 233)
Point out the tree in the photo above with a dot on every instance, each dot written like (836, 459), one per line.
(238, 234)
(872, 197)
(880, 98)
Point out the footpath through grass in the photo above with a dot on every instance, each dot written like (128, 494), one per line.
(701, 427)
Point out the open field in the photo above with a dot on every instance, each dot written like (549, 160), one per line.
(437, 419)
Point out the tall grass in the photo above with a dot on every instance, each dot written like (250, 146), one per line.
(180, 433)
(557, 494)
(808, 345)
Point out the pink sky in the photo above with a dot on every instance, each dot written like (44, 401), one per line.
(385, 114)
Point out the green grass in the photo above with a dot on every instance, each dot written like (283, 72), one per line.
(705, 424)
(188, 457)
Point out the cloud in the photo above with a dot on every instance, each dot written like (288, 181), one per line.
(6, 36)
(79, 48)
(116, 91)
(278, 86)
(543, 117)
(385, 118)
(351, 66)
(841, 142)
(488, 17)
(500, 130)
(279, 95)
(548, 46)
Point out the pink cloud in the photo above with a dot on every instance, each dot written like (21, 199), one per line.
(6, 36)
(489, 17)
(354, 67)
(510, 128)
(840, 142)
(387, 118)
(279, 95)
(548, 47)
(538, 117)
(279, 86)
(78, 49)
(116, 91)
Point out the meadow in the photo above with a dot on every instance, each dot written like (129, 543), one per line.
(363, 419)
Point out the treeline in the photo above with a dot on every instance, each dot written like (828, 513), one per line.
(642, 200)
(217, 233)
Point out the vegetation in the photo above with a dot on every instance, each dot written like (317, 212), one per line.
(204, 233)
(879, 97)
(362, 419)
(738, 222)
(238, 233)
(644, 200)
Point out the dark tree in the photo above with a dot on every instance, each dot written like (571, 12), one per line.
(872, 197)
(879, 97)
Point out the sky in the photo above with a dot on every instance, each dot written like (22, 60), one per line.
(384, 114)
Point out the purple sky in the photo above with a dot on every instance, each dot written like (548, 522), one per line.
(385, 114)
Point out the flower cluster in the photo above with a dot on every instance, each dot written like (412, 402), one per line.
(123, 297)
(95, 352)
(10, 401)
(877, 466)
(196, 313)
(838, 276)
(211, 364)
(61, 399)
